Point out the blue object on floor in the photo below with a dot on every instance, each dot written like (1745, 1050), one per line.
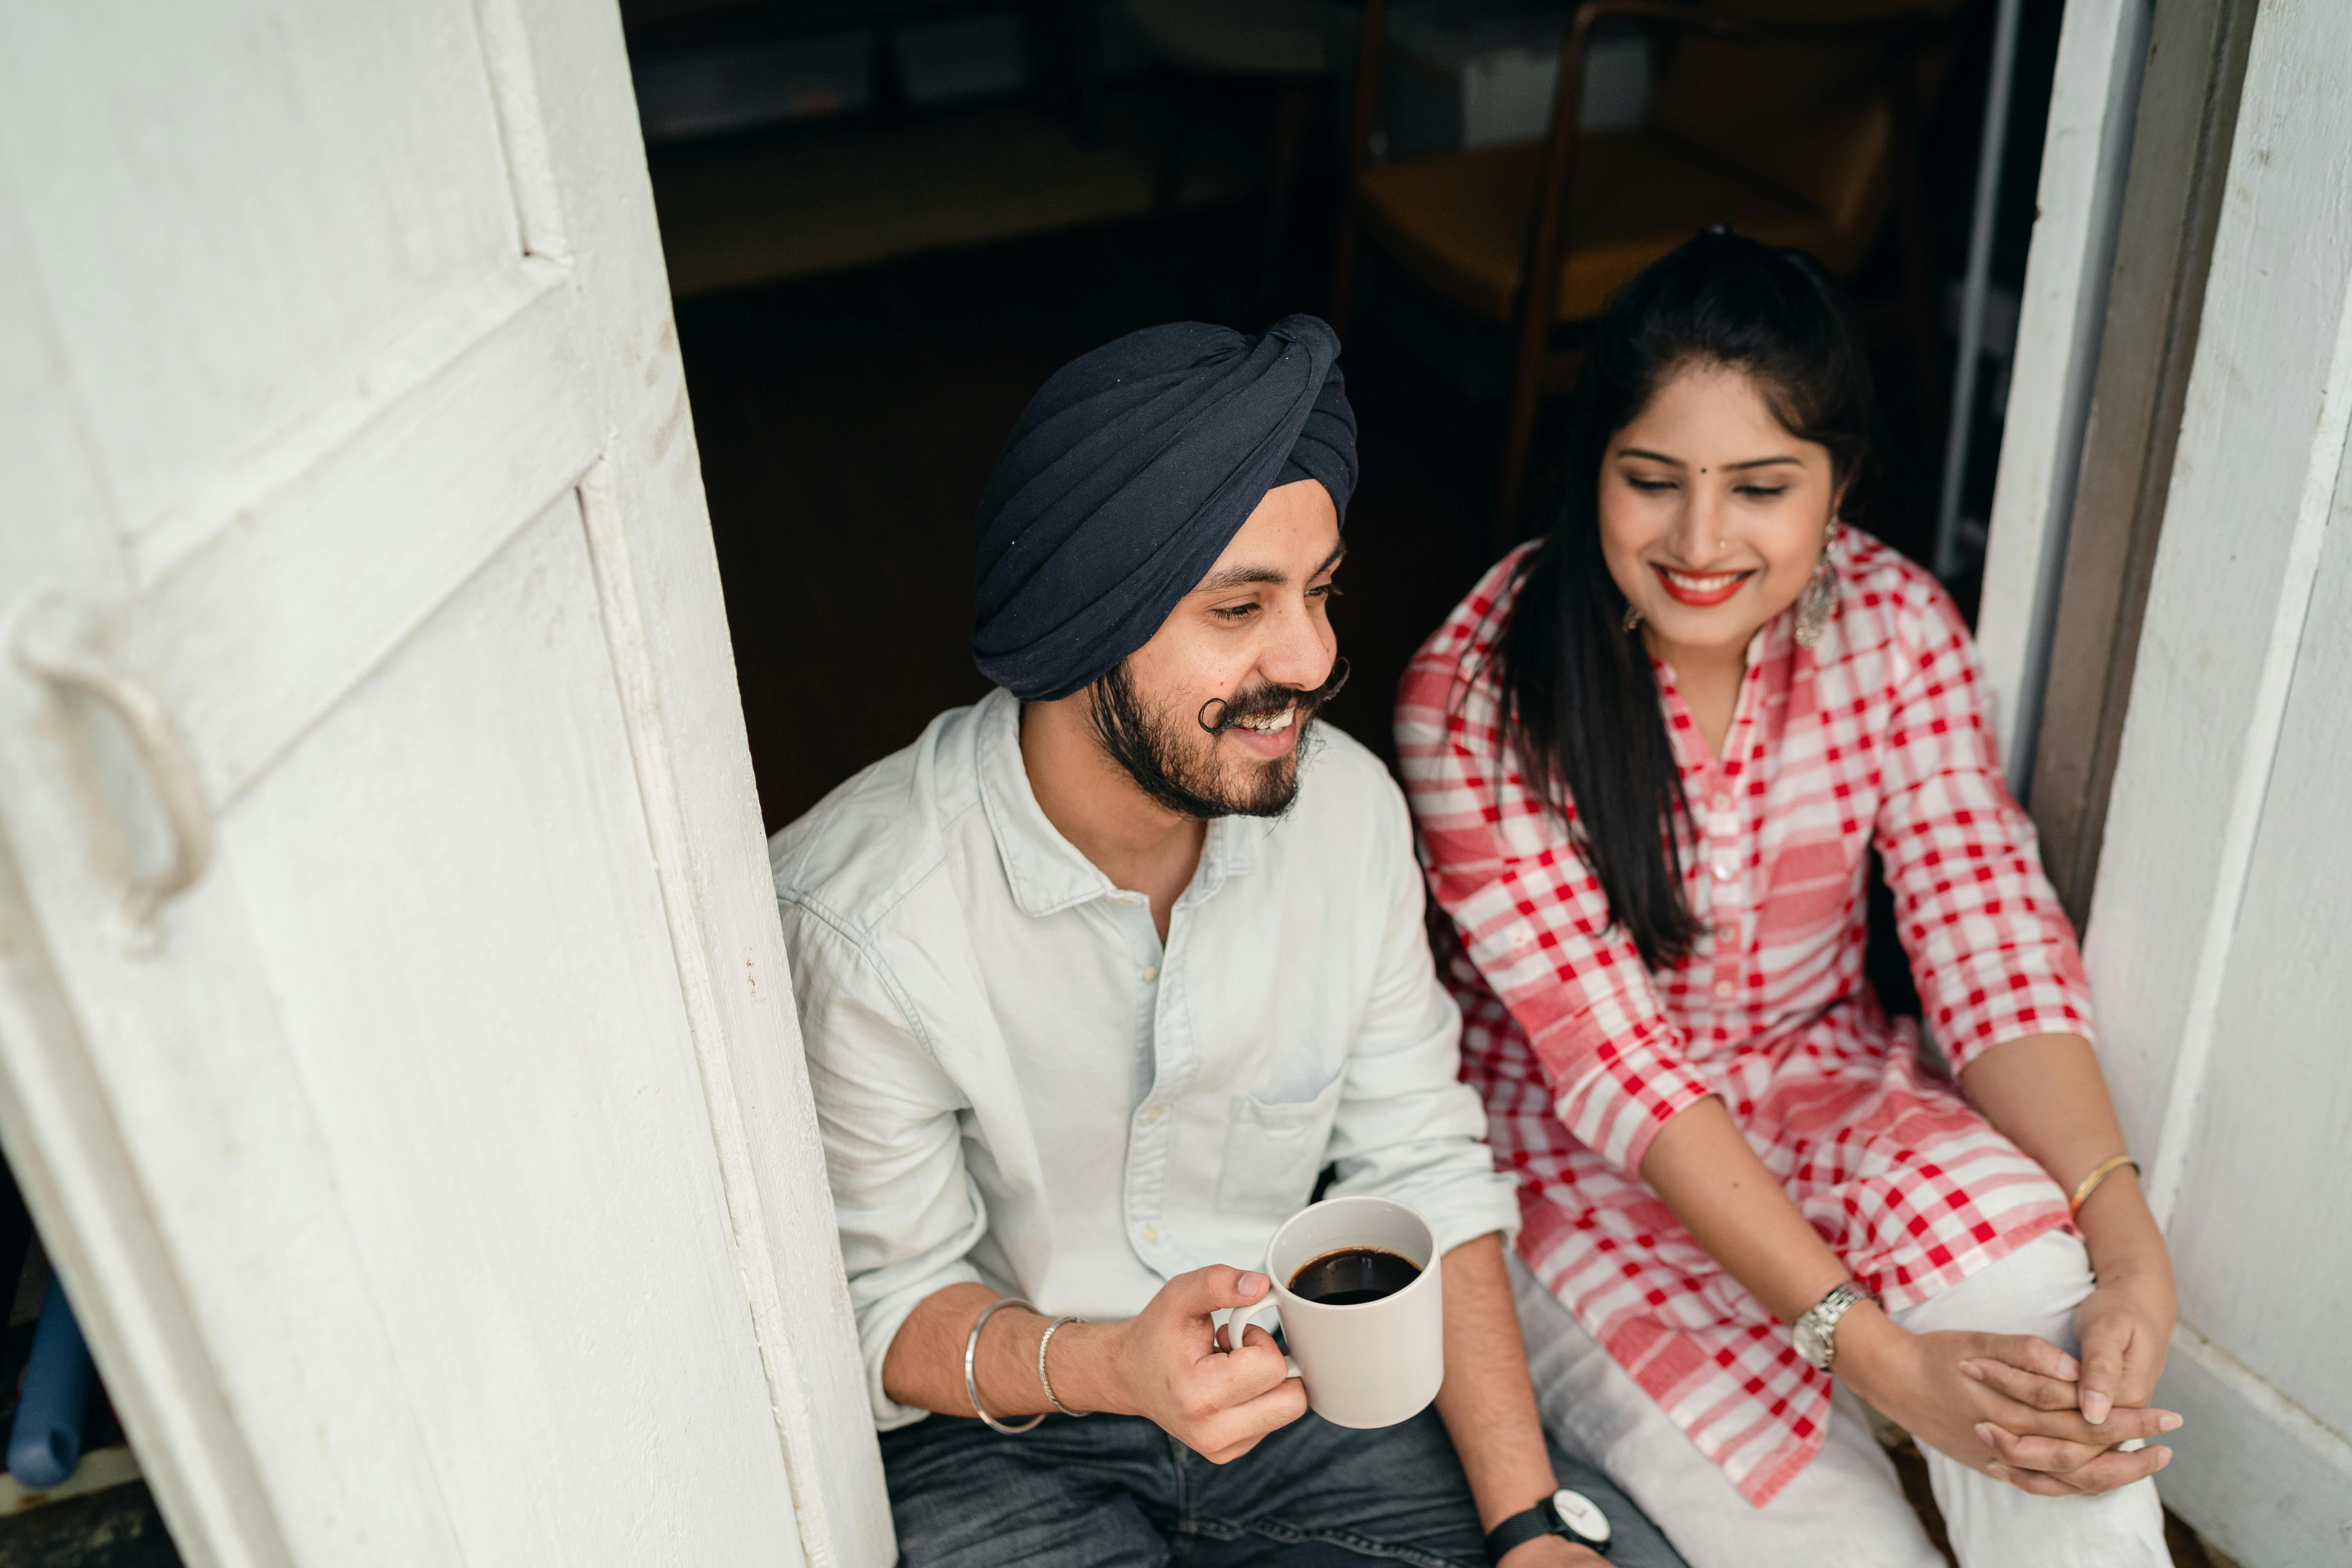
(45, 1444)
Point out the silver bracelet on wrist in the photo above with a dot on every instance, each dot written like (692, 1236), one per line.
(1046, 1383)
(970, 1373)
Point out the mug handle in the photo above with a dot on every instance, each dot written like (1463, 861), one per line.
(1241, 1320)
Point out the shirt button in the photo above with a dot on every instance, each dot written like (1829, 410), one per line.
(1151, 1235)
(1724, 989)
(1727, 933)
(1722, 803)
(1152, 1116)
(1725, 870)
(1151, 974)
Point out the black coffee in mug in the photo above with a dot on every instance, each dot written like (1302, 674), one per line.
(1353, 1276)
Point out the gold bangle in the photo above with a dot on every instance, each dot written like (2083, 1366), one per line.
(2099, 1173)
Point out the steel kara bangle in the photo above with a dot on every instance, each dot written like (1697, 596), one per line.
(971, 1375)
(1046, 1383)
(2090, 1184)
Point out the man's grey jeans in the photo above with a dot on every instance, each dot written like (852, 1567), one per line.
(1116, 1490)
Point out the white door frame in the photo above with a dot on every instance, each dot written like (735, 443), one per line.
(694, 765)
(576, 164)
(2085, 155)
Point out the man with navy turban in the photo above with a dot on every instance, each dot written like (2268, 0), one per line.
(1101, 975)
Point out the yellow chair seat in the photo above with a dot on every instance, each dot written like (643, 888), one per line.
(1458, 222)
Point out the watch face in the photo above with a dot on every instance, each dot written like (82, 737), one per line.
(1808, 1341)
(1580, 1514)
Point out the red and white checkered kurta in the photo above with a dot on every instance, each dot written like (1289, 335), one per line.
(1872, 737)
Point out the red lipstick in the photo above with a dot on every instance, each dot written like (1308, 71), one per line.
(1702, 590)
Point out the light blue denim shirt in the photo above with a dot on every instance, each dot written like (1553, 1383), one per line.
(1017, 1083)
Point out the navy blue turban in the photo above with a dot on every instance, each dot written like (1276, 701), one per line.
(1126, 477)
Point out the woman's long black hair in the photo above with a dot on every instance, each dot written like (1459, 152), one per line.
(1579, 697)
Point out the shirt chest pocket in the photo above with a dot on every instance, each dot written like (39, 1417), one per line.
(1273, 1151)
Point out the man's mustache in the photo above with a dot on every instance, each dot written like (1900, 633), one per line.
(1267, 701)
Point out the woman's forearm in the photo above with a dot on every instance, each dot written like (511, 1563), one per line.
(1701, 1164)
(2046, 1094)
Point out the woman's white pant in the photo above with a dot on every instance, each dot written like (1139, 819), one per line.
(1846, 1509)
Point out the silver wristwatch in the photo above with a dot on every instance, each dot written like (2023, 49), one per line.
(1815, 1333)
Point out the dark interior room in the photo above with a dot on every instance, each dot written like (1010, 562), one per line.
(871, 281)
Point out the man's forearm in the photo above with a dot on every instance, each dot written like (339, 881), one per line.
(924, 1366)
(1488, 1403)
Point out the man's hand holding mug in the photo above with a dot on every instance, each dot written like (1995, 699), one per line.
(1220, 1390)
(1169, 1365)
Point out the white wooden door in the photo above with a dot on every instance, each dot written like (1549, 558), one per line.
(2220, 941)
(395, 1044)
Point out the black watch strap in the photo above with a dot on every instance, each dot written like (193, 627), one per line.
(1518, 1530)
(1529, 1524)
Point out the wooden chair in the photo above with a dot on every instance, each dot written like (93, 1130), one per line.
(1798, 125)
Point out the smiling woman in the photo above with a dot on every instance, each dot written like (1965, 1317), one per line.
(1709, 442)
(1706, 543)
(1649, 757)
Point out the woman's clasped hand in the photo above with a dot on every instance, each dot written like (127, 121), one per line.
(2010, 1406)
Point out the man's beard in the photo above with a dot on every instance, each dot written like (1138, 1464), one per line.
(1153, 749)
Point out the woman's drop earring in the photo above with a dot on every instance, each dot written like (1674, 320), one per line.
(1633, 615)
(1817, 602)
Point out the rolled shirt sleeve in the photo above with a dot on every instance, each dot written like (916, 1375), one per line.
(910, 1212)
(1407, 1127)
(1991, 950)
(1535, 922)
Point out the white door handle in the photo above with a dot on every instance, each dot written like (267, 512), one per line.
(49, 644)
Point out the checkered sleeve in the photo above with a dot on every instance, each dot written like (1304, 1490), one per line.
(1530, 914)
(1992, 952)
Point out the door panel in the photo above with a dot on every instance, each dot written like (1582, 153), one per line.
(485, 770)
(354, 153)
(435, 1173)
(2263, 1270)
(187, 1055)
(299, 590)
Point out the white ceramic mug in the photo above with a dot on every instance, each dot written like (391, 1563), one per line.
(1374, 1364)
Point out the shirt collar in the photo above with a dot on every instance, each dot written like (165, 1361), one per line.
(1045, 871)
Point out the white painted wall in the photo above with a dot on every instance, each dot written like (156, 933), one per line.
(2222, 916)
(436, 1179)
